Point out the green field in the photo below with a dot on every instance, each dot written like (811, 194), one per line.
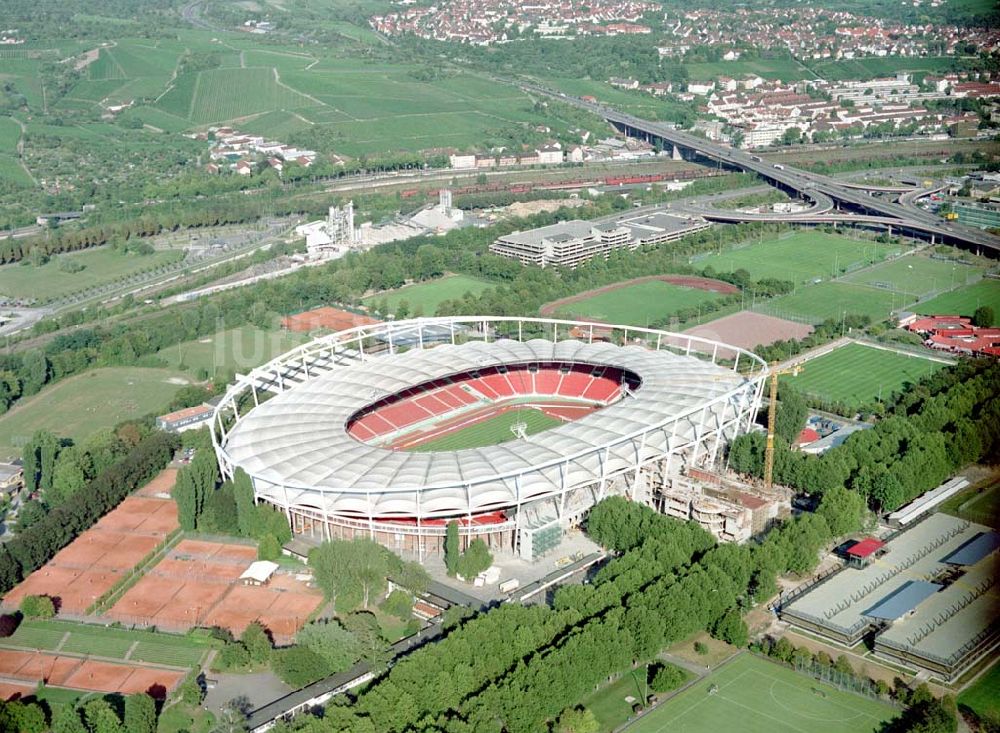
(756, 696)
(918, 276)
(638, 305)
(983, 697)
(868, 68)
(817, 303)
(858, 375)
(100, 265)
(964, 301)
(784, 69)
(240, 349)
(80, 406)
(609, 705)
(10, 133)
(491, 431)
(102, 641)
(799, 257)
(427, 296)
(977, 503)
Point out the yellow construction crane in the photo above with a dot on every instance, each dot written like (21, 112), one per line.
(772, 410)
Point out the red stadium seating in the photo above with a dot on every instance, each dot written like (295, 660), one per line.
(498, 384)
(575, 383)
(547, 381)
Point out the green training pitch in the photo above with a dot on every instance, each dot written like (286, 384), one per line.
(917, 276)
(638, 305)
(817, 303)
(491, 431)
(80, 406)
(983, 697)
(800, 257)
(101, 265)
(857, 374)
(240, 349)
(963, 301)
(756, 696)
(978, 503)
(427, 296)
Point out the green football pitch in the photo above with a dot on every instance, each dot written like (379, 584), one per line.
(963, 301)
(491, 431)
(753, 695)
(427, 296)
(798, 257)
(638, 305)
(918, 276)
(858, 374)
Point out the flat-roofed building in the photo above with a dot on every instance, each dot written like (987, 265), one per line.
(929, 596)
(570, 243)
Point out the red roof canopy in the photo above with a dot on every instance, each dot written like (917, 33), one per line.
(866, 547)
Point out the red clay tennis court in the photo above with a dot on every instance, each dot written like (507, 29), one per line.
(87, 674)
(161, 486)
(197, 584)
(89, 566)
(12, 691)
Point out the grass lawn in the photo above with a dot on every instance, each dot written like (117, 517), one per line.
(427, 296)
(858, 374)
(638, 304)
(817, 303)
(609, 705)
(100, 265)
(491, 431)
(238, 348)
(756, 696)
(80, 406)
(146, 646)
(983, 697)
(917, 276)
(978, 503)
(963, 301)
(800, 257)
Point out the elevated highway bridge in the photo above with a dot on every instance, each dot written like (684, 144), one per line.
(849, 202)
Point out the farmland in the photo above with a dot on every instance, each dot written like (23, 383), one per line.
(764, 698)
(638, 304)
(426, 297)
(798, 257)
(856, 374)
(964, 301)
(82, 405)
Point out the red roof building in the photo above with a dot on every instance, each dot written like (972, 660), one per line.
(957, 335)
(807, 436)
(866, 547)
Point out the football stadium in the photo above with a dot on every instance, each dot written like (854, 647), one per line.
(512, 427)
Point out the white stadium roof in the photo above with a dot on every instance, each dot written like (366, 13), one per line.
(298, 440)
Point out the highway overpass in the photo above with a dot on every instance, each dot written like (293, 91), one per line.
(848, 200)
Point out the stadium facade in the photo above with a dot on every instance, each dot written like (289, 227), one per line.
(339, 433)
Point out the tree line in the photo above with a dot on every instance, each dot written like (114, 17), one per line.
(948, 420)
(36, 545)
(517, 668)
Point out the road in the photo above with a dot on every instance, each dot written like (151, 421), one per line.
(862, 206)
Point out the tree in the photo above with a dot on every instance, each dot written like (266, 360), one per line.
(452, 549)
(101, 717)
(268, 548)
(337, 646)
(983, 317)
(22, 717)
(67, 720)
(399, 603)
(352, 572)
(474, 560)
(299, 666)
(192, 689)
(845, 511)
(577, 720)
(234, 656)
(140, 713)
(791, 414)
(257, 641)
(667, 677)
(234, 716)
(731, 629)
(366, 629)
(38, 607)
(247, 517)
